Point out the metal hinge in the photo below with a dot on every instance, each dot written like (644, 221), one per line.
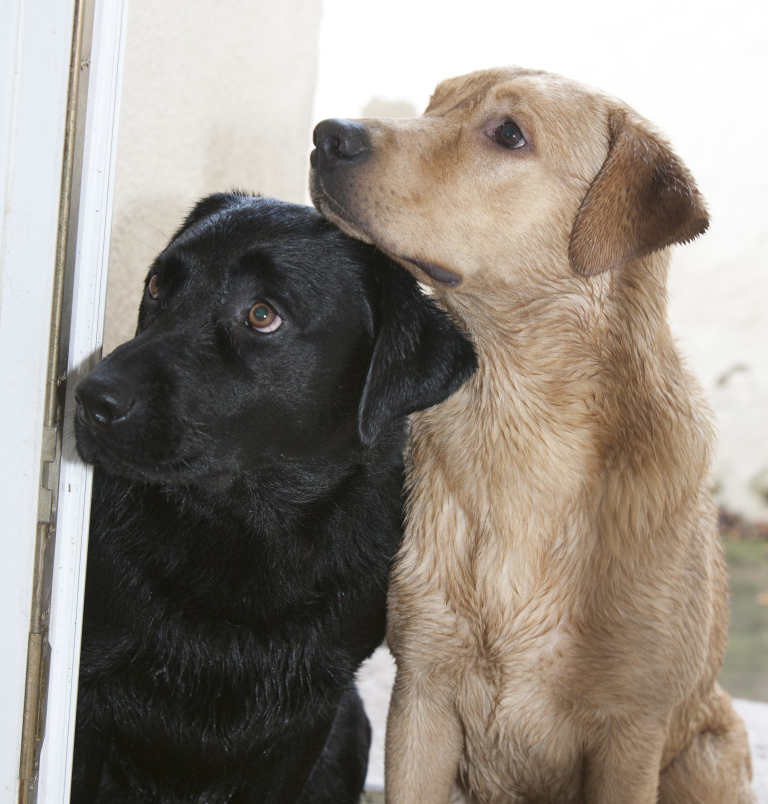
(38, 648)
(49, 481)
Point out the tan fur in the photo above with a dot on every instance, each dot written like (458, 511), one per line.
(558, 610)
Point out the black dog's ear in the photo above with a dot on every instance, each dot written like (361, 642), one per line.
(420, 356)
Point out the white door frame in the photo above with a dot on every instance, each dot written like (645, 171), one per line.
(35, 44)
(91, 257)
(35, 52)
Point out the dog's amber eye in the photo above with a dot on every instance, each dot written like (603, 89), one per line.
(153, 286)
(509, 135)
(263, 318)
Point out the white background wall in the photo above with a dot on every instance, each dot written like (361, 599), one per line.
(696, 69)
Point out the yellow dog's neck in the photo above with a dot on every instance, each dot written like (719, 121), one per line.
(563, 395)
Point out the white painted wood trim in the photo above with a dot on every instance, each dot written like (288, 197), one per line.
(35, 45)
(87, 324)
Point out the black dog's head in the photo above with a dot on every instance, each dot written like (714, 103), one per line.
(265, 336)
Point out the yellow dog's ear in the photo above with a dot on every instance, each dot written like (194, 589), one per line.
(642, 199)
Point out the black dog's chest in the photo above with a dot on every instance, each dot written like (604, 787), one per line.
(183, 578)
(200, 655)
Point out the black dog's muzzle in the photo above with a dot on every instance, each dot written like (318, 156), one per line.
(103, 400)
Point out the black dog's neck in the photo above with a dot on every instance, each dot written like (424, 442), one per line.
(269, 499)
(171, 533)
(195, 557)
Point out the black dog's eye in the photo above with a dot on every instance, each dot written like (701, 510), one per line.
(263, 318)
(508, 134)
(153, 286)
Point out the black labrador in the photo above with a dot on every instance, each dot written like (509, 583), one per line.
(246, 507)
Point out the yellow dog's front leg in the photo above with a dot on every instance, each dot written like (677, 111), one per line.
(424, 743)
(624, 766)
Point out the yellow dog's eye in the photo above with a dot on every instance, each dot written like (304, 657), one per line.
(508, 135)
(263, 318)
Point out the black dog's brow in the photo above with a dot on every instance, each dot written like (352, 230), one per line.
(292, 273)
(260, 272)
(283, 267)
(257, 256)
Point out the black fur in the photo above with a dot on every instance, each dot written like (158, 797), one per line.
(247, 504)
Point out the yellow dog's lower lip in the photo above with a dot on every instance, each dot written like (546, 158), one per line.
(437, 272)
(335, 212)
(326, 199)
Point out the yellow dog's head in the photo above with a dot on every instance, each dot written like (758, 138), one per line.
(511, 176)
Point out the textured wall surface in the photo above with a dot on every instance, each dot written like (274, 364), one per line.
(217, 96)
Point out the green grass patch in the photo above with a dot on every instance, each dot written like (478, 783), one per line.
(745, 672)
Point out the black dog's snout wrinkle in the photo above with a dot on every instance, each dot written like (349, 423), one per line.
(103, 400)
(340, 141)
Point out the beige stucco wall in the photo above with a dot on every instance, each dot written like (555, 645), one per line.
(216, 96)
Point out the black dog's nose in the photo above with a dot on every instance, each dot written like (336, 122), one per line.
(339, 141)
(102, 401)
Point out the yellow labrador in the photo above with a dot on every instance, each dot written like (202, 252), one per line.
(558, 610)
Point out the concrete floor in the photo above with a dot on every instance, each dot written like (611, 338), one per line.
(375, 682)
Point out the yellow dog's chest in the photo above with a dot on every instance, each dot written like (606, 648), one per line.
(504, 640)
(520, 744)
